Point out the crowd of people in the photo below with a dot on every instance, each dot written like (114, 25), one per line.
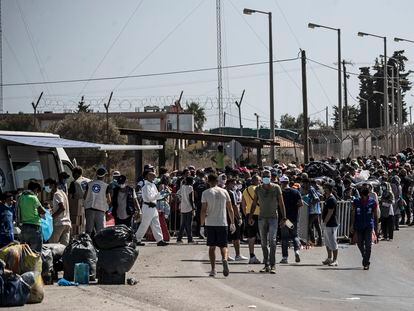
(244, 204)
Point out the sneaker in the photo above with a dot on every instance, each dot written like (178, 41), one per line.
(226, 270)
(254, 261)
(333, 264)
(273, 270)
(327, 261)
(192, 242)
(179, 242)
(266, 269)
(212, 273)
(229, 258)
(201, 237)
(140, 244)
(162, 243)
(284, 260)
(297, 257)
(240, 258)
(366, 267)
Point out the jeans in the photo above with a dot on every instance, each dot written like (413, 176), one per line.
(268, 230)
(387, 227)
(289, 234)
(364, 244)
(314, 221)
(186, 219)
(32, 235)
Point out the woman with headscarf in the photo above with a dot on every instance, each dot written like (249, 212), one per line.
(387, 211)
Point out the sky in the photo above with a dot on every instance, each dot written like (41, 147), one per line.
(51, 40)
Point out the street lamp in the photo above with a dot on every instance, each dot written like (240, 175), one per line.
(387, 116)
(341, 126)
(271, 91)
(404, 40)
(257, 124)
(366, 105)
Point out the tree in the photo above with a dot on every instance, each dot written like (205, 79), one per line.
(82, 107)
(19, 122)
(366, 87)
(288, 122)
(353, 113)
(199, 115)
(91, 128)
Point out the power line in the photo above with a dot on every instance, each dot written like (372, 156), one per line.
(148, 74)
(161, 42)
(111, 46)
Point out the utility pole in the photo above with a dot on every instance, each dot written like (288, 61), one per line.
(177, 146)
(224, 119)
(238, 104)
(346, 77)
(219, 66)
(1, 62)
(35, 110)
(257, 124)
(411, 120)
(107, 116)
(327, 116)
(305, 110)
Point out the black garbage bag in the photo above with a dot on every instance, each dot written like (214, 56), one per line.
(117, 260)
(113, 237)
(13, 289)
(317, 169)
(78, 251)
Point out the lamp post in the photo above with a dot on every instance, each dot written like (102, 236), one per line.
(257, 124)
(271, 91)
(341, 125)
(366, 105)
(387, 115)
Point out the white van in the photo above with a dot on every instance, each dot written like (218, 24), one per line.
(25, 156)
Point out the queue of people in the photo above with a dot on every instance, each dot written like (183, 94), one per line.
(226, 205)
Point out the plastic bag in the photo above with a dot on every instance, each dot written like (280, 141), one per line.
(47, 265)
(113, 237)
(79, 250)
(47, 226)
(13, 290)
(20, 258)
(118, 260)
(35, 281)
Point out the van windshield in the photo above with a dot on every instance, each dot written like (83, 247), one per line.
(25, 171)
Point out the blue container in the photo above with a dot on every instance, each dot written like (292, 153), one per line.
(81, 273)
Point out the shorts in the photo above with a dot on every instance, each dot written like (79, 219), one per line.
(217, 236)
(252, 231)
(330, 236)
(236, 235)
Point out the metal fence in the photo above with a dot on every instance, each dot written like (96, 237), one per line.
(360, 143)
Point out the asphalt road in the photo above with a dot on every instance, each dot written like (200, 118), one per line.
(176, 278)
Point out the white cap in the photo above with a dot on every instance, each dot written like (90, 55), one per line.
(116, 174)
(284, 178)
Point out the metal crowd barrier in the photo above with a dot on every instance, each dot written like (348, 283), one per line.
(343, 214)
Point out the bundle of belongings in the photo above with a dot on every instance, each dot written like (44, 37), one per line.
(116, 253)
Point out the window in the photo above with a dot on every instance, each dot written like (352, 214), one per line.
(25, 171)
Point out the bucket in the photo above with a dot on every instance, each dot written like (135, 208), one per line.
(81, 273)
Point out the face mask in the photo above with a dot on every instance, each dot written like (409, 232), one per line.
(48, 189)
(122, 186)
(266, 180)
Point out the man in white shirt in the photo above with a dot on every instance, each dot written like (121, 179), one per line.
(150, 217)
(186, 195)
(60, 213)
(216, 205)
(76, 194)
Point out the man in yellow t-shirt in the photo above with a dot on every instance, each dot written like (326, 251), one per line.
(251, 230)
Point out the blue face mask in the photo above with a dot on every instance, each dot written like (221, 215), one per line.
(266, 180)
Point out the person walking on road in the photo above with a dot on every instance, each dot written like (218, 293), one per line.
(150, 216)
(216, 205)
(312, 201)
(363, 214)
(186, 195)
(330, 223)
(251, 230)
(269, 197)
(293, 203)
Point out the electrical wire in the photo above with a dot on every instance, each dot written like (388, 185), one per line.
(149, 74)
(111, 46)
(161, 42)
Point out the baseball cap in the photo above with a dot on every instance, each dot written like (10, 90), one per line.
(101, 172)
(122, 179)
(284, 178)
(116, 174)
(148, 167)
